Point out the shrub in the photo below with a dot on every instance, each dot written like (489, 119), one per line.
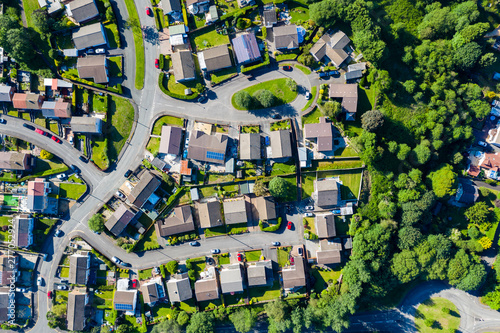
(271, 228)
(291, 84)
(429, 322)
(46, 155)
(243, 23)
(265, 98)
(243, 99)
(490, 181)
(172, 267)
(161, 78)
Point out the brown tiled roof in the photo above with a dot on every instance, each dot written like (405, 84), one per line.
(150, 292)
(325, 225)
(14, 161)
(235, 211)
(250, 146)
(179, 288)
(281, 144)
(27, 101)
(76, 311)
(348, 93)
(170, 141)
(183, 64)
(78, 269)
(216, 58)
(120, 219)
(181, 220)
(266, 208)
(209, 214)
(93, 67)
(206, 290)
(286, 37)
(202, 145)
(328, 257)
(321, 131)
(294, 276)
(143, 190)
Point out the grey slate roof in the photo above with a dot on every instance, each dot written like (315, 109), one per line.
(89, 36)
(93, 67)
(207, 290)
(327, 191)
(348, 93)
(321, 131)
(171, 6)
(11, 160)
(266, 208)
(4, 304)
(331, 46)
(183, 64)
(82, 10)
(250, 146)
(246, 49)
(215, 58)
(281, 144)
(270, 18)
(209, 214)
(78, 269)
(235, 211)
(23, 225)
(259, 273)
(325, 225)
(120, 219)
(86, 125)
(286, 37)
(149, 292)
(181, 220)
(328, 257)
(353, 75)
(6, 93)
(76, 311)
(231, 279)
(202, 144)
(143, 190)
(294, 276)
(170, 141)
(179, 288)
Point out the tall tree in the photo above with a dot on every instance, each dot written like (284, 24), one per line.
(201, 322)
(243, 320)
(444, 181)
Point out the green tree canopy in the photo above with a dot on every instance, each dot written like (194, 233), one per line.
(331, 109)
(243, 320)
(243, 99)
(467, 55)
(278, 187)
(372, 120)
(96, 223)
(264, 97)
(170, 326)
(444, 181)
(201, 322)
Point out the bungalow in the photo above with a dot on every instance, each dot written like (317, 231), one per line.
(235, 211)
(327, 193)
(23, 226)
(76, 313)
(89, 36)
(360, 66)
(79, 268)
(281, 145)
(467, 193)
(208, 148)
(209, 214)
(329, 252)
(179, 221)
(286, 37)
(207, 289)
(6, 93)
(27, 101)
(179, 288)
(171, 6)
(322, 132)
(260, 273)
(170, 140)
(349, 95)
(332, 46)
(270, 18)
(93, 67)
(153, 291)
(15, 161)
(325, 225)
(231, 279)
(56, 109)
(294, 277)
(250, 146)
(89, 125)
(246, 49)
(215, 58)
(120, 219)
(125, 300)
(144, 190)
(82, 10)
(183, 64)
(266, 208)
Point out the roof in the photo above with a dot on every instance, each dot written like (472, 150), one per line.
(24, 226)
(360, 66)
(321, 131)
(76, 310)
(328, 257)
(213, 13)
(331, 46)
(6, 93)
(89, 36)
(246, 49)
(281, 144)
(170, 141)
(4, 304)
(231, 279)
(258, 273)
(467, 193)
(294, 276)
(86, 124)
(179, 288)
(215, 58)
(266, 208)
(353, 75)
(208, 148)
(194, 194)
(27, 101)
(178, 29)
(78, 269)
(179, 221)
(8, 264)
(270, 17)
(171, 6)
(235, 211)
(125, 300)
(56, 84)
(142, 191)
(325, 225)
(250, 146)
(286, 37)
(347, 242)
(207, 289)
(59, 109)
(348, 93)
(93, 67)
(183, 64)
(120, 219)
(209, 214)
(82, 10)
(160, 164)
(327, 191)
(10, 160)
(149, 292)
(185, 169)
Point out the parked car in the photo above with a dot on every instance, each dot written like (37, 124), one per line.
(268, 142)
(128, 173)
(336, 211)
(70, 140)
(195, 243)
(202, 99)
(482, 143)
(39, 281)
(58, 233)
(28, 126)
(300, 250)
(323, 75)
(156, 270)
(49, 294)
(134, 283)
(308, 214)
(100, 51)
(292, 260)
(334, 73)
(157, 63)
(126, 264)
(83, 159)
(56, 139)
(90, 51)
(62, 287)
(3, 121)
(39, 131)
(276, 243)
(116, 260)
(289, 225)
(75, 168)
(276, 116)
(61, 176)
(309, 207)
(308, 95)
(148, 11)
(215, 251)
(239, 256)
(120, 194)
(287, 68)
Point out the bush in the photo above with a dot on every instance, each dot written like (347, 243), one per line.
(46, 155)
(291, 84)
(161, 78)
(172, 267)
(161, 61)
(429, 322)
(243, 99)
(271, 228)
(490, 181)
(265, 98)
(243, 23)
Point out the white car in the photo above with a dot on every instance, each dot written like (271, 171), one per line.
(39, 281)
(308, 214)
(482, 143)
(61, 176)
(215, 251)
(309, 207)
(100, 51)
(116, 260)
(62, 287)
(70, 140)
(120, 194)
(308, 95)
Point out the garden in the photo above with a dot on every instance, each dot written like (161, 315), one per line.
(265, 94)
(207, 38)
(437, 314)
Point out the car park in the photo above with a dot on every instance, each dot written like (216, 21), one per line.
(148, 11)
(276, 243)
(83, 159)
(239, 256)
(49, 294)
(100, 51)
(215, 251)
(128, 173)
(28, 126)
(54, 138)
(195, 243)
(308, 95)
(289, 225)
(308, 214)
(287, 68)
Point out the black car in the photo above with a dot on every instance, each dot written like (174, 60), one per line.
(276, 116)
(202, 99)
(75, 168)
(83, 159)
(3, 121)
(126, 264)
(128, 173)
(28, 126)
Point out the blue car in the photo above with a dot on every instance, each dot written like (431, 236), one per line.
(267, 141)
(336, 211)
(323, 75)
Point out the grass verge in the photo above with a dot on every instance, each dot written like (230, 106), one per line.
(138, 45)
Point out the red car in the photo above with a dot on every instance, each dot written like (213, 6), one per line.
(39, 131)
(287, 68)
(239, 256)
(148, 11)
(134, 283)
(292, 261)
(49, 294)
(56, 139)
(157, 63)
(289, 225)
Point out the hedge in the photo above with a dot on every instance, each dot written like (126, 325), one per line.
(117, 90)
(171, 94)
(161, 61)
(156, 12)
(184, 14)
(271, 228)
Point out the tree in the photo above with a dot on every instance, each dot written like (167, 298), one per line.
(243, 99)
(422, 153)
(331, 109)
(372, 120)
(480, 108)
(264, 97)
(201, 322)
(393, 147)
(170, 326)
(479, 214)
(404, 150)
(200, 88)
(19, 45)
(410, 86)
(132, 23)
(259, 188)
(325, 13)
(172, 267)
(409, 237)
(278, 187)
(277, 312)
(45, 155)
(41, 20)
(291, 84)
(387, 209)
(182, 318)
(125, 328)
(487, 60)
(444, 181)
(467, 56)
(96, 223)
(405, 266)
(110, 16)
(243, 320)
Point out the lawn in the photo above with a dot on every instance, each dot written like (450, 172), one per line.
(198, 265)
(304, 70)
(312, 117)
(207, 38)
(42, 229)
(292, 189)
(104, 300)
(163, 311)
(207, 191)
(351, 181)
(166, 120)
(311, 226)
(283, 256)
(223, 75)
(260, 294)
(180, 87)
(227, 6)
(121, 113)
(148, 241)
(145, 274)
(138, 45)
(45, 168)
(250, 129)
(346, 152)
(215, 178)
(71, 191)
(437, 315)
(29, 7)
(311, 100)
(100, 103)
(286, 56)
(64, 272)
(236, 229)
(209, 305)
(223, 259)
(283, 168)
(215, 231)
(324, 278)
(253, 255)
(112, 35)
(299, 12)
(188, 306)
(277, 87)
(153, 146)
(100, 153)
(280, 125)
(366, 101)
(341, 227)
(4, 220)
(336, 165)
(115, 66)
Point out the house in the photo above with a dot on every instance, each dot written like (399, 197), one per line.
(178, 35)
(10, 160)
(89, 36)
(89, 125)
(327, 193)
(23, 226)
(5, 301)
(212, 15)
(325, 225)
(270, 18)
(37, 195)
(183, 64)
(56, 109)
(79, 268)
(281, 145)
(58, 85)
(197, 6)
(231, 279)
(349, 95)
(489, 163)
(333, 46)
(286, 37)
(322, 132)
(125, 300)
(467, 193)
(153, 291)
(170, 140)
(250, 146)
(360, 66)
(245, 48)
(209, 214)
(27, 101)
(294, 277)
(179, 288)
(260, 273)
(329, 252)
(76, 316)
(186, 172)
(354, 75)
(144, 190)
(9, 265)
(82, 10)
(171, 6)
(207, 289)
(235, 210)
(93, 67)
(266, 208)
(215, 58)
(120, 219)
(6, 93)
(179, 221)
(207, 148)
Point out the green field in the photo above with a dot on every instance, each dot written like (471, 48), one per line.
(138, 45)
(278, 88)
(121, 113)
(166, 120)
(437, 315)
(71, 191)
(207, 38)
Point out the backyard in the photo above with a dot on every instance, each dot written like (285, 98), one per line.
(71, 191)
(324, 278)
(260, 294)
(166, 120)
(278, 87)
(45, 168)
(207, 38)
(4, 221)
(284, 256)
(148, 241)
(283, 168)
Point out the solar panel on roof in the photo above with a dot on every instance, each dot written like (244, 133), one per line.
(123, 307)
(215, 156)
